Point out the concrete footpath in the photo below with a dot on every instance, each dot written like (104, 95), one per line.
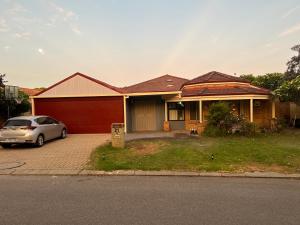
(76, 172)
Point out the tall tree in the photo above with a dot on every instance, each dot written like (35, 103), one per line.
(293, 64)
(290, 89)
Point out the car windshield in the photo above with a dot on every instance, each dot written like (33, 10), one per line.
(17, 123)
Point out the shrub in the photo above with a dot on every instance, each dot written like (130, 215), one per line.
(217, 113)
(222, 121)
(214, 131)
(247, 128)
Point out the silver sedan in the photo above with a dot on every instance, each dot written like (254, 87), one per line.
(31, 130)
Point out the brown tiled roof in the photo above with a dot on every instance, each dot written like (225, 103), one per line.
(164, 83)
(214, 76)
(210, 90)
(31, 91)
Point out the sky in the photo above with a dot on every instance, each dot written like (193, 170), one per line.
(123, 42)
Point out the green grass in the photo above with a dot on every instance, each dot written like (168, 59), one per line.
(265, 152)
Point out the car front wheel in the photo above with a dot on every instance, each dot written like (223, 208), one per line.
(39, 141)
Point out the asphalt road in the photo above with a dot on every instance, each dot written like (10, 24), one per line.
(148, 200)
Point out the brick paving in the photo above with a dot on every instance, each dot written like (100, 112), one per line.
(70, 154)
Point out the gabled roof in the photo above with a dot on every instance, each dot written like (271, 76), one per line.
(215, 77)
(119, 90)
(166, 83)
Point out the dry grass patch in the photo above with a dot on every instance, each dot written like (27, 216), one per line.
(144, 148)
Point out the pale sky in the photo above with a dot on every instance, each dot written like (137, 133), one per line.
(127, 41)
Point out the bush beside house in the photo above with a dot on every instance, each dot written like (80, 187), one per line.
(223, 120)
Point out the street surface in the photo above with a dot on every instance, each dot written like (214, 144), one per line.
(132, 200)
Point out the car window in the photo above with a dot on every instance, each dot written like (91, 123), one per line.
(17, 123)
(41, 120)
(46, 120)
(51, 120)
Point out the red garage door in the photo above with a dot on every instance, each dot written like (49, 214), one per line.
(84, 114)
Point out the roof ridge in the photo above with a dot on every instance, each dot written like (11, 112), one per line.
(208, 78)
(155, 79)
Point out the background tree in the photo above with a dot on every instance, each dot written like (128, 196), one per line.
(289, 91)
(271, 81)
(14, 108)
(293, 69)
(2, 80)
(249, 77)
(286, 86)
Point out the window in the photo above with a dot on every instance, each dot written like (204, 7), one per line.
(46, 120)
(17, 123)
(194, 110)
(41, 120)
(51, 121)
(175, 111)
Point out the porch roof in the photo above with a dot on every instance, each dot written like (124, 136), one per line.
(217, 90)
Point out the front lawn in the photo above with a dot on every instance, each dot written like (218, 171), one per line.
(265, 152)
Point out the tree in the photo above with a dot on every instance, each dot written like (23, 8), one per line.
(14, 108)
(2, 80)
(249, 77)
(290, 88)
(289, 91)
(293, 64)
(271, 81)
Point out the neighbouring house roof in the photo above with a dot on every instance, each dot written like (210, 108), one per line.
(86, 84)
(223, 89)
(166, 83)
(215, 77)
(31, 91)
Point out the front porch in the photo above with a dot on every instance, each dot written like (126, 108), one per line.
(191, 114)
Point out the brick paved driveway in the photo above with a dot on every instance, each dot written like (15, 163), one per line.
(71, 153)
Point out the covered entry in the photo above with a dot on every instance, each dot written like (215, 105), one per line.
(145, 113)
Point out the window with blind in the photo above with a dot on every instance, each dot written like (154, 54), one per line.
(176, 111)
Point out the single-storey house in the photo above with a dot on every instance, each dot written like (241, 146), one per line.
(87, 105)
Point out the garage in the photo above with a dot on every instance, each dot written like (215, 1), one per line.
(84, 104)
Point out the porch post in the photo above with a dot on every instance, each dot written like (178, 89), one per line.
(166, 111)
(32, 106)
(251, 110)
(125, 113)
(273, 110)
(200, 111)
